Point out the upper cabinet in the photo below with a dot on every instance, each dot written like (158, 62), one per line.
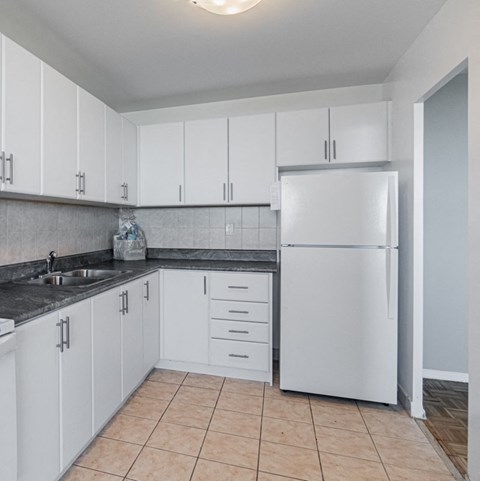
(161, 164)
(359, 133)
(20, 167)
(115, 188)
(130, 166)
(302, 137)
(59, 121)
(91, 147)
(206, 162)
(251, 158)
(339, 135)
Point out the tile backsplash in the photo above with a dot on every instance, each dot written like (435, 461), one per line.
(205, 227)
(30, 230)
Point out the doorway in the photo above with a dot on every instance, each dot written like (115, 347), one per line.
(445, 267)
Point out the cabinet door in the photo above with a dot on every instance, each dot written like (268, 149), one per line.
(113, 157)
(91, 145)
(59, 123)
(251, 158)
(151, 321)
(206, 161)
(161, 164)
(76, 380)
(130, 166)
(302, 137)
(359, 133)
(132, 337)
(185, 324)
(22, 119)
(107, 360)
(37, 366)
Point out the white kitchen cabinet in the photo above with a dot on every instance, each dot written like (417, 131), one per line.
(75, 380)
(38, 407)
(151, 321)
(161, 164)
(115, 192)
(91, 146)
(251, 158)
(130, 166)
(107, 358)
(21, 120)
(359, 133)
(302, 137)
(206, 162)
(132, 335)
(185, 316)
(59, 128)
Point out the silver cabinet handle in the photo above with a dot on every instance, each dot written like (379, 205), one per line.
(224, 191)
(10, 178)
(147, 295)
(204, 285)
(238, 312)
(237, 287)
(123, 191)
(126, 191)
(326, 150)
(180, 193)
(234, 331)
(231, 191)
(67, 325)
(126, 301)
(2, 166)
(334, 149)
(122, 297)
(62, 341)
(82, 177)
(78, 189)
(241, 356)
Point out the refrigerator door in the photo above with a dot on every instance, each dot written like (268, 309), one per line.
(339, 322)
(358, 209)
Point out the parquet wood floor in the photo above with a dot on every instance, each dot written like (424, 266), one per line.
(446, 406)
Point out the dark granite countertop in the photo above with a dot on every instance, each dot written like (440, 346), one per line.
(23, 302)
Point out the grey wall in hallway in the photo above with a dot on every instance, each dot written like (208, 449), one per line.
(445, 234)
(30, 230)
(204, 227)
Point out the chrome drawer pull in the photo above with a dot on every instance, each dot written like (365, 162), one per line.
(242, 356)
(237, 287)
(233, 331)
(238, 312)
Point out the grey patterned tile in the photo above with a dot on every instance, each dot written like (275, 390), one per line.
(268, 218)
(250, 217)
(250, 239)
(217, 217)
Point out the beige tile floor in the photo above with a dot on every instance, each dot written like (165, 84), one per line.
(179, 427)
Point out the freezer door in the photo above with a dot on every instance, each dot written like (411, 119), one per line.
(340, 209)
(339, 322)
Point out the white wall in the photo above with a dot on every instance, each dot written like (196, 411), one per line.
(446, 234)
(256, 105)
(450, 38)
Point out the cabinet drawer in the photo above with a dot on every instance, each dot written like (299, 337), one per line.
(239, 286)
(239, 311)
(239, 331)
(245, 355)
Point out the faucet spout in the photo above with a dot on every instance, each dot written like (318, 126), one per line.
(51, 261)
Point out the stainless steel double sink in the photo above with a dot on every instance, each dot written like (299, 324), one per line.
(78, 277)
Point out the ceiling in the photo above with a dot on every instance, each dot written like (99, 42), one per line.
(141, 54)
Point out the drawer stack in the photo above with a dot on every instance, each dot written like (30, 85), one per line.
(240, 327)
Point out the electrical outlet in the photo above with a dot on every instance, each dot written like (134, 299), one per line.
(229, 228)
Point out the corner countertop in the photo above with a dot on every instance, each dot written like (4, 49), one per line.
(23, 302)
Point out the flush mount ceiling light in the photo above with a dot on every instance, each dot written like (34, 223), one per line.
(226, 7)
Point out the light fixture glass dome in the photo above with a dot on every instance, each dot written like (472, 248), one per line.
(226, 7)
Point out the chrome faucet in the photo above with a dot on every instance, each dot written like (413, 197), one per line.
(51, 261)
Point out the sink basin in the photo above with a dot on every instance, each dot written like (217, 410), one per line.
(65, 281)
(89, 273)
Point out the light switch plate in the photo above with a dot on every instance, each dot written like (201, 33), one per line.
(229, 228)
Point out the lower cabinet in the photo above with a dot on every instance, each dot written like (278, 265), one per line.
(107, 356)
(151, 321)
(217, 323)
(38, 405)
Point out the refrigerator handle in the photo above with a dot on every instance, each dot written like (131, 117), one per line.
(392, 210)
(391, 282)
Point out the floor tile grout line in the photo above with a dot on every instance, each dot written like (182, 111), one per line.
(316, 439)
(206, 431)
(260, 434)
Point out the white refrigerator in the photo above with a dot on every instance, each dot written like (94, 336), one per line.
(339, 283)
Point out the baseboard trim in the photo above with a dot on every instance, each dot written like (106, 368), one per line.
(445, 375)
